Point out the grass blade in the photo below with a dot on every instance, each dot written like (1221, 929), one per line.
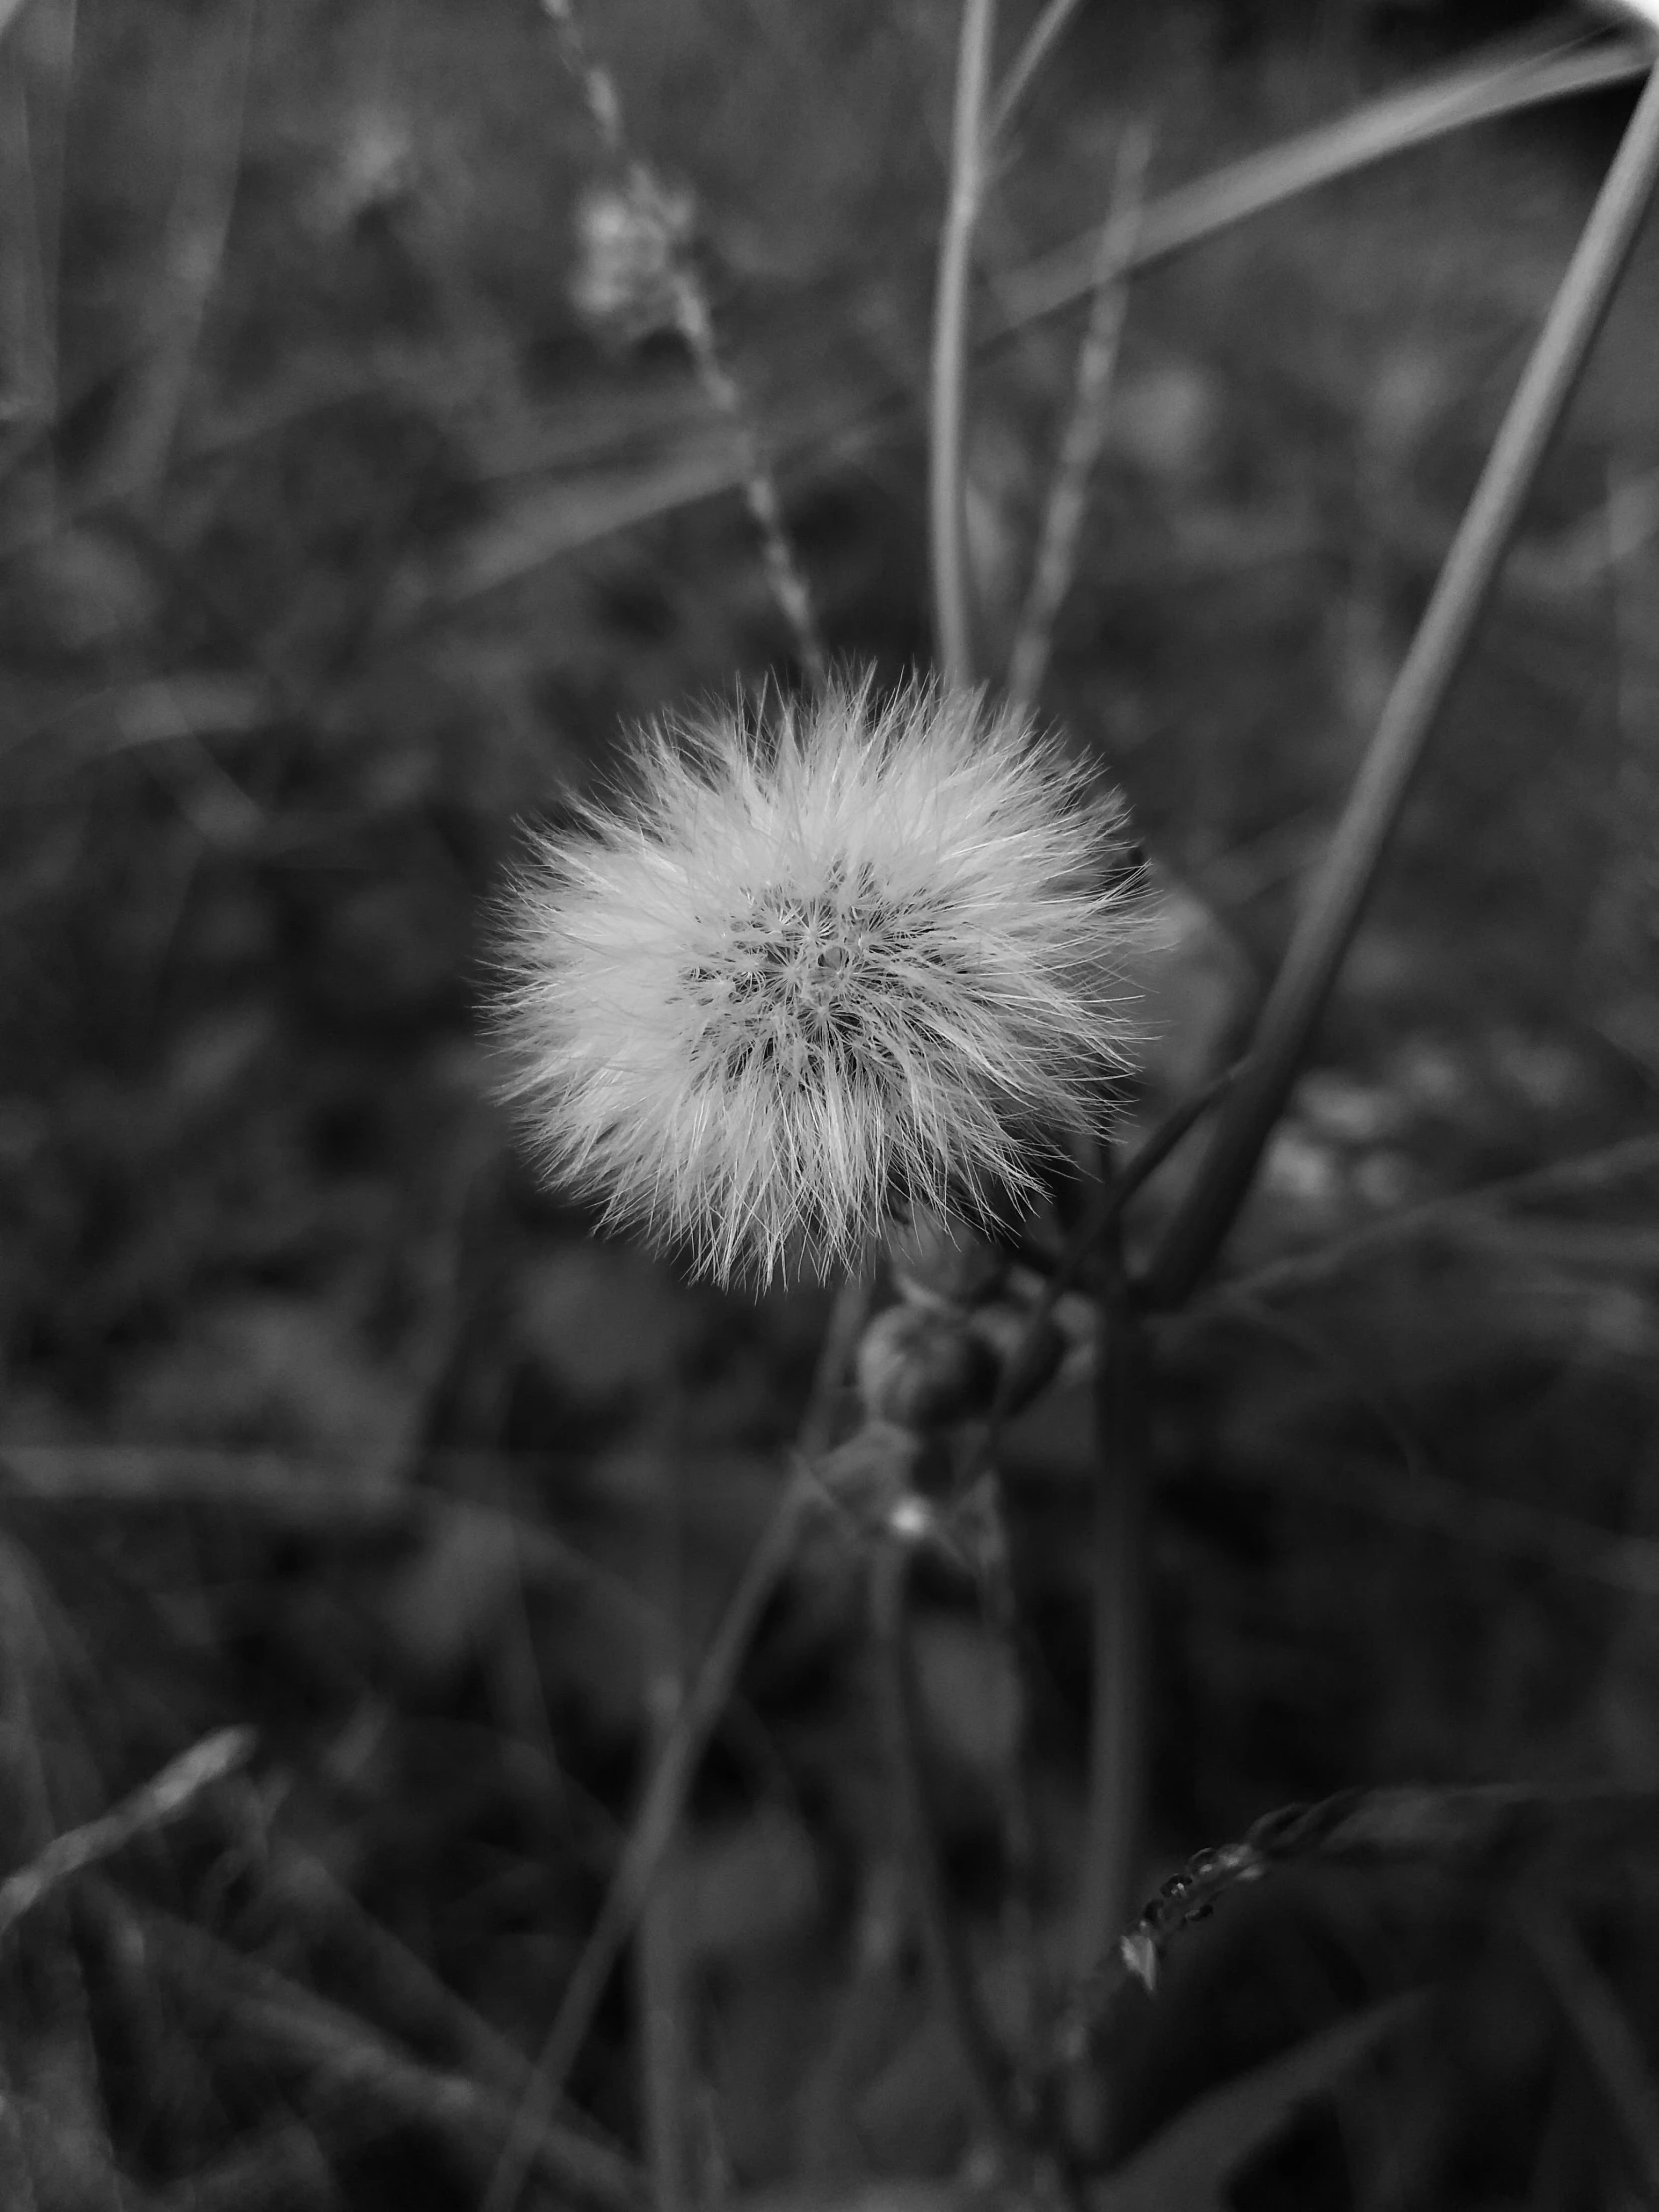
(1443, 637)
(1479, 92)
(947, 488)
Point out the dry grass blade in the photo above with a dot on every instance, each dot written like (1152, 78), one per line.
(1478, 92)
(162, 1798)
(665, 1794)
(1618, 2065)
(546, 526)
(1362, 837)
(1085, 430)
(695, 326)
(947, 487)
(1472, 1832)
(1040, 42)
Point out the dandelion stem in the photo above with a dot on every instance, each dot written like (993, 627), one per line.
(952, 614)
(671, 1777)
(1361, 840)
(948, 1963)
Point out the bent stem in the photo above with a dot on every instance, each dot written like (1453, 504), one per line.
(1500, 83)
(1436, 655)
(948, 1964)
(948, 497)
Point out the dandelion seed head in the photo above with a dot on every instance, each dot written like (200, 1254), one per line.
(816, 967)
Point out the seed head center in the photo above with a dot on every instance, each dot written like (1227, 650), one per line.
(782, 985)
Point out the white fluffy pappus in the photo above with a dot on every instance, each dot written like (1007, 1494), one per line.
(815, 967)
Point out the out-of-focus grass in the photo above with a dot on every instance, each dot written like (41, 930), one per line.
(319, 566)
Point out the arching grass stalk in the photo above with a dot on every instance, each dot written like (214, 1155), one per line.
(668, 254)
(1040, 42)
(948, 492)
(1362, 837)
(1497, 83)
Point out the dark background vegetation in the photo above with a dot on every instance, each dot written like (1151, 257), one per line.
(334, 546)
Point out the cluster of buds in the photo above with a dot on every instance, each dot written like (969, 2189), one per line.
(965, 1341)
(963, 1337)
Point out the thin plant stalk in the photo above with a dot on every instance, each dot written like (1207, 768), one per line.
(1040, 42)
(759, 490)
(659, 1979)
(948, 492)
(164, 1798)
(1481, 91)
(657, 1817)
(1028, 1994)
(695, 326)
(1097, 1221)
(1443, 637)
(1084, 433)
(196, 233)
(949, 1966)
(1116, 1723)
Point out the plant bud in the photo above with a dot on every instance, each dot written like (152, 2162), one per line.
(938, 1261)
(1027, 1360)
(924, 1369)
(871, 1471)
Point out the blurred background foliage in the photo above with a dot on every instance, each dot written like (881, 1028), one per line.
(335, 543)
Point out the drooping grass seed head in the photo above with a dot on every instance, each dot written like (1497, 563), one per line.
(813, 965)
(629, 237)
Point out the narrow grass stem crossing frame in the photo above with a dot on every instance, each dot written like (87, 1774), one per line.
(1349, 870)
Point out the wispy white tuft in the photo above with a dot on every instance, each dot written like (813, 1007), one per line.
(806, 973)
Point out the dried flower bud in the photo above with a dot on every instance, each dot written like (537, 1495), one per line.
(924, 1369)
(1026, 1359)
(939, 1260)
(872, 1471)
